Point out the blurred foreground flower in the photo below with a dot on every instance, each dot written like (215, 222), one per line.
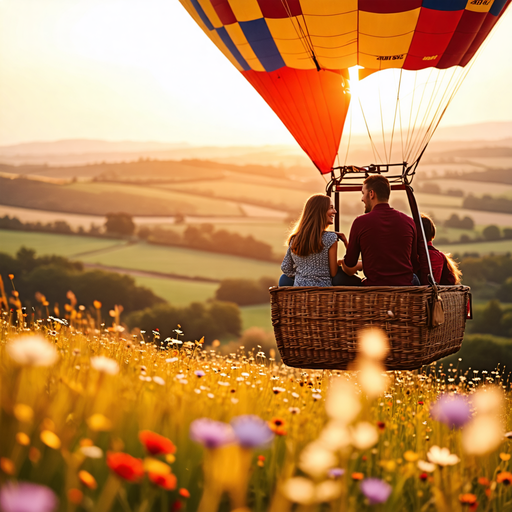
(127, 467)
(32, 351)
(155, 443)
(316, 460)
(93, 452)
(453, 411)
(483, 435)
(442, 456)
(251, 431)
(505, 477)
(364, 435)
(105, 365)
(167, 482)
(376, 490)
(342, 401)
(373, 344)
(27, 497)
(210, 433)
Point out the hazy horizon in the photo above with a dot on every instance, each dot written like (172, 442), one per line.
(134, 71)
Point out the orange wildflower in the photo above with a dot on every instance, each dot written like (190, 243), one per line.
(75, 496)
(357, 476)
(7, 466)
(184, 493)
(155, 443)
(261, 461)
(467, 499)
(484, 481)
(87, 479)
(277, 426)
(127, 467)
(505, 477)
(167, 482)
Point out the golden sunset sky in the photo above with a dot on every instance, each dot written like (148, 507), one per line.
(143, 70)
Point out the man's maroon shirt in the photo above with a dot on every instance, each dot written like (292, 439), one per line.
(387, 242)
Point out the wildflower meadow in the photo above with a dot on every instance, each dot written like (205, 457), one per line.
(95, 419)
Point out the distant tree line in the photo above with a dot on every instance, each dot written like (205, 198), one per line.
(212, 320)
(430, 187)
(206, 238)
(245, 292)
(488, 203)
(53, 276)
(58, 226)
(44, 282)
(482, 352)
(203, 238)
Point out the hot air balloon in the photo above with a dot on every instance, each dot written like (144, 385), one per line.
(309, 60)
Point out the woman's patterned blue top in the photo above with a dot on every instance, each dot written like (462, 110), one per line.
(311, 270)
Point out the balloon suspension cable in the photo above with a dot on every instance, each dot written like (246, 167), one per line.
(304, 38)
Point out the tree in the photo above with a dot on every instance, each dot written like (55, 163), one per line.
(212, 320)
(491, 233)
(245, 292)
(120, 224)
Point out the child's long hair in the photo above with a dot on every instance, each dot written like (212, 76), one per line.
(430, 233)
(306, 236)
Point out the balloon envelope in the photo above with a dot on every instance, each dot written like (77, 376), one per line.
(296, 53)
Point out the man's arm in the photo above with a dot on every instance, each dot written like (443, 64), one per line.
(350, 262)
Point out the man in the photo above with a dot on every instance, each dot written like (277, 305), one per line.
(385, 238)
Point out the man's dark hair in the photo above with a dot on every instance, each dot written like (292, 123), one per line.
(429, 227)
(380, 185)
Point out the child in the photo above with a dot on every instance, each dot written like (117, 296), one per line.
(312, 256)
(444, 268)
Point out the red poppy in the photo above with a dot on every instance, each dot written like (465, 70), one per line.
(423, 477)
(420, 402)
(484, 481)
(381, 426)
(177, 505)
(124, 465)
(357, 476)
(167, 482)
(155, 443)
(504, 477)
(184, 493)
(468, 499)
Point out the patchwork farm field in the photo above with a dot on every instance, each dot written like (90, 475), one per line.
(141, 256)
(234, 190)
(49, 243)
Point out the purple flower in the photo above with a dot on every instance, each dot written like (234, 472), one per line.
(27, 497)
(210, 433)
(251, 431)
(376, 490)
(452, 410)
(200, 373)
(336, 473)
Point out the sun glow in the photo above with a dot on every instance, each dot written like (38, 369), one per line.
(354, 81)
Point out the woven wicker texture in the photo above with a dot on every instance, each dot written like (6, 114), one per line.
(317, 327)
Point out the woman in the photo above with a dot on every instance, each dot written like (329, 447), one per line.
(444, 268)
(312, 256)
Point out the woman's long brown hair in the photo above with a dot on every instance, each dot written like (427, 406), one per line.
(306, 236)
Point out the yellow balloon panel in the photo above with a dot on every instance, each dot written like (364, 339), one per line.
(246, 10)
(388, 25)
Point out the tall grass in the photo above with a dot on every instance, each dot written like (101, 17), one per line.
(63, 416)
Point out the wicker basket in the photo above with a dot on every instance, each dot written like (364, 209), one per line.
(317, 327)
